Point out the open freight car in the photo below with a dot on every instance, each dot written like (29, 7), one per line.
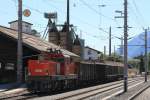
(93, 72)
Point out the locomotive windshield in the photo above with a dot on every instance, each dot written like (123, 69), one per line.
(54, 55)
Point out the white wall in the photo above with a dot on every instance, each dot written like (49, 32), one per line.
(25, 27)
(93, 54)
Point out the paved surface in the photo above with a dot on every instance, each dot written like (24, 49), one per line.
(131, 92)
(144, 95)
(4, 87)
(12, 87)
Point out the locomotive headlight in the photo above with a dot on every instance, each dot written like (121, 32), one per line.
(29, 73)
(47, 74)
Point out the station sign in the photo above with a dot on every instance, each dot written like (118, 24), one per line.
(50, 15)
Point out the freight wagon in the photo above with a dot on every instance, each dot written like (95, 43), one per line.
(94, 72)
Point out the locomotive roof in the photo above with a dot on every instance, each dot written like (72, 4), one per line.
(34, 42)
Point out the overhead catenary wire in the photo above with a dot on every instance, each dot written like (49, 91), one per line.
(15, 2)
(87, 23)
(93, 9)
(91, 25)
(138, 11)
(77, 18)
(136, 18)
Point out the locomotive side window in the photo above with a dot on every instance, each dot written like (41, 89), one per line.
(58, 68)
(9, 66)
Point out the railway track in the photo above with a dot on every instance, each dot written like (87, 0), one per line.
(74, 95)
(95, 92)
(113, 92)
(91, 91)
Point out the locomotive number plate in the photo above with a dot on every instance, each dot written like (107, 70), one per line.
(38, 70)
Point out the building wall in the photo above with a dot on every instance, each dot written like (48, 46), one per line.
(90, 54)
(25, 27)
(77, 50)
(53, 37)
(8, 58)
(82, 42)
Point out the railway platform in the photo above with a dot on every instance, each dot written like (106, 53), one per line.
(11, 88)
(139, 92)
(4, 87)
(144, 95)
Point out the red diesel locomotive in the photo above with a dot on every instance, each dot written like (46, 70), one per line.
(52, 71)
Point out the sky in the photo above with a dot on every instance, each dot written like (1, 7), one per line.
(92, 21)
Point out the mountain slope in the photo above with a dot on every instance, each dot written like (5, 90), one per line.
(136, 45)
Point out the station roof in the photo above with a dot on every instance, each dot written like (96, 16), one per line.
(93, 49)
(22, 21)
(34, 42)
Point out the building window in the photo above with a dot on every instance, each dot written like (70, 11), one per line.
(26, 26)
(0, 65)
(9, 66)
(89, 52)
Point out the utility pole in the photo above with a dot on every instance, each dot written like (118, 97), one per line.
(104, 52)
(125, 45)
(110, 41)
(114, 52)
(146, 63)
(68, 26)
(122, 46)
(125, 42)
(19, 48)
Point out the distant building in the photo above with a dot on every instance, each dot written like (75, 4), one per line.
(91, 54)
(59, 36)
(26, 27)
(82, 42)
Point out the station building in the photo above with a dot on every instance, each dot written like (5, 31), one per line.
(32, 46)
